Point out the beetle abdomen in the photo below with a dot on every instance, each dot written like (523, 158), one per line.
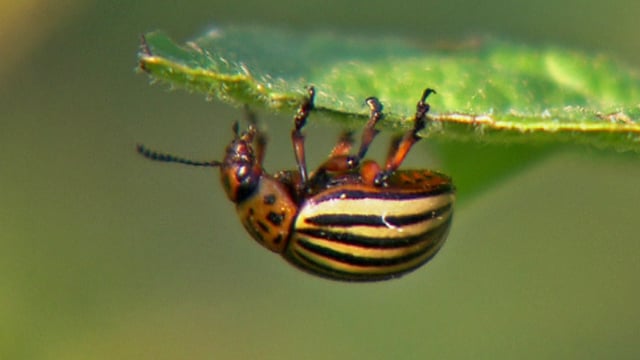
(364, 233)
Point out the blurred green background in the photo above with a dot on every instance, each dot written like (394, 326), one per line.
(105, 255)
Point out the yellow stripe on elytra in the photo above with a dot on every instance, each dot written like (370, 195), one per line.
(368, 206)
(390, 231)
(365, 252)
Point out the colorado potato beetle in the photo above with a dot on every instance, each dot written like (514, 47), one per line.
(351, 219)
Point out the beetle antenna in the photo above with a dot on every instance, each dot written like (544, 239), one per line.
(158, 156)
(236, 129)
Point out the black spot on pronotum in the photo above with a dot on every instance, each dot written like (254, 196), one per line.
(269, 199)
(262, 226)
(278, 239)
(275, 219)
(253, 231)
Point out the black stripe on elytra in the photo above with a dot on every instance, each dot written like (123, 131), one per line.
(352, 259)
(326, 271)
(349, 238)
(304, 262)
(346, 220)
(386, 195)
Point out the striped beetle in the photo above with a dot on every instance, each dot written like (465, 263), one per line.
(349, 220)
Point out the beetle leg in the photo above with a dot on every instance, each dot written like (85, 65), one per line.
(370, 132)
(369, 170)
(339, 159)
(344, 145)
(297, 138)
(261, 139)
(408, 140)
(393, 147)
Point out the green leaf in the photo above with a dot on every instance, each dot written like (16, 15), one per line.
(488, 91)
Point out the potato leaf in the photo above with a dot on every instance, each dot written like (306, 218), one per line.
(488, 90)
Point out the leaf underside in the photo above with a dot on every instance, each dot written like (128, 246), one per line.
(488, 90)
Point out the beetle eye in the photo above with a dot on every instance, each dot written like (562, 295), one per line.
(242, 172)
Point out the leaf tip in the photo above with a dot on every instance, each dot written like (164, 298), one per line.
(144, 53)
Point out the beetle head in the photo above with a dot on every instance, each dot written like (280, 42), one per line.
(240, 170)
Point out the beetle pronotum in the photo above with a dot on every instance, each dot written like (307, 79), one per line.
(351, 219)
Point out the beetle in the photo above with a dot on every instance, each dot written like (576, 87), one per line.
(351, 219)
